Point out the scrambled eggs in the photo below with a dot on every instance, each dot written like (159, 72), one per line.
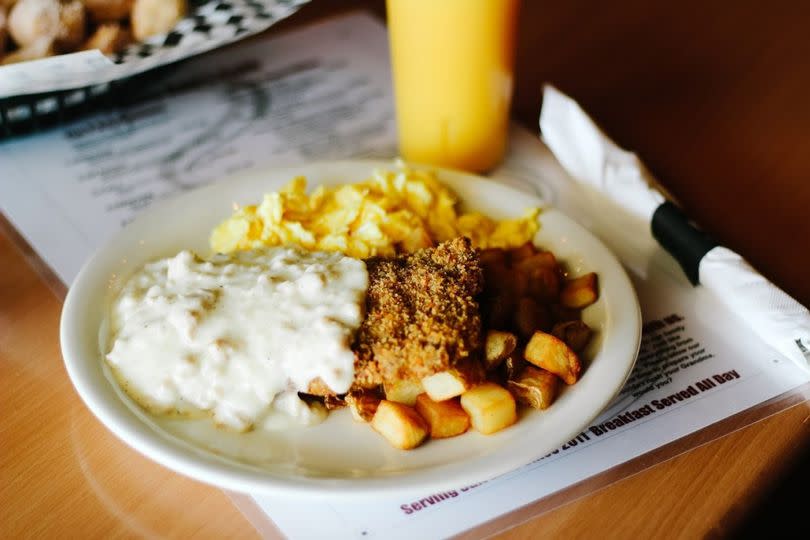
(392, 212)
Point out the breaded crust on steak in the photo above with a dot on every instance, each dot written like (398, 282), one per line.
(421, 315)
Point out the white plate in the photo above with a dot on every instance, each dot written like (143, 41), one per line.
(340, 456)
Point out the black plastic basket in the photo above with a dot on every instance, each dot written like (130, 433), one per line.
(22, 115)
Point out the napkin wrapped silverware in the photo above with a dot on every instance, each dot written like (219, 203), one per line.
(592, 159)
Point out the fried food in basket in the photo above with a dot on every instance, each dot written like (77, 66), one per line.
(32, 20)
(108, 10)
(72, 23)
(152, 17)
(39, 49)
(34, 29)
(108, 38)
(60, 21)
(3, 29)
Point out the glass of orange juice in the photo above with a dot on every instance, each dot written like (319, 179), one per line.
(453, 64)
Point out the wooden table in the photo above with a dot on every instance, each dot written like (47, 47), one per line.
(715, 99)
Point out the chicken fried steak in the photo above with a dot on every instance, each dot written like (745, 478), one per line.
(421, 315)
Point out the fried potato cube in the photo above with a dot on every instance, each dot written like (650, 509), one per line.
(523, 252)
(33, 21)
(492, 256)
(40, 49)
(535, 387)
(542, 259)
(497, 276)
(518, 282)
(537, 275)
(575, 334)
(72, 26)
(446, 384)
(108, 10)
(499, 310)
(580, 292)
(513, 366)
(59, 22)
(403, 391)
(531, 316)
(3, 30)
(445, 418)
(563, 314)
(363, 405)
(400, 425)
(544, 283)
(490, 406)
(152, 17)
(497, 347)
(108, 38)
(552, 354)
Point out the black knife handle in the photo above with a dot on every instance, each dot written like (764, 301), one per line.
(681, 239)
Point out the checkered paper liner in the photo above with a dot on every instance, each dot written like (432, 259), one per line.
(211, 24)
(42, 92)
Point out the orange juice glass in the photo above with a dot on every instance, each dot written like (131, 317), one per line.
(452, 64)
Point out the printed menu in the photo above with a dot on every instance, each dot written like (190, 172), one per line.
(324, 92)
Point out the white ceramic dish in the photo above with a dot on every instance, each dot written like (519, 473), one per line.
(339, 456)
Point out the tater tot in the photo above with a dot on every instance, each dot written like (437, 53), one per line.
(61, 22)
(72, 26)
(108, 10)
(39, 49)
(153, 17)
(33, 20)
(3, 29)
(109, 38)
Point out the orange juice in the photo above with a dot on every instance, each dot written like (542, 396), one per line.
(452, 63)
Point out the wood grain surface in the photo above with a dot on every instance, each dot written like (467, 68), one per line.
(714, 97)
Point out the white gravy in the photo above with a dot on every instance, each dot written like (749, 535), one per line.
(237, 336)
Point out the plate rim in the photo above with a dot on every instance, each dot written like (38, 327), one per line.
(196, 465)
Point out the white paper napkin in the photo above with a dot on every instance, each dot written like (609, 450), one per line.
(591, 158)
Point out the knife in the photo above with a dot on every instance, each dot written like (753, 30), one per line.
(593, 159)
